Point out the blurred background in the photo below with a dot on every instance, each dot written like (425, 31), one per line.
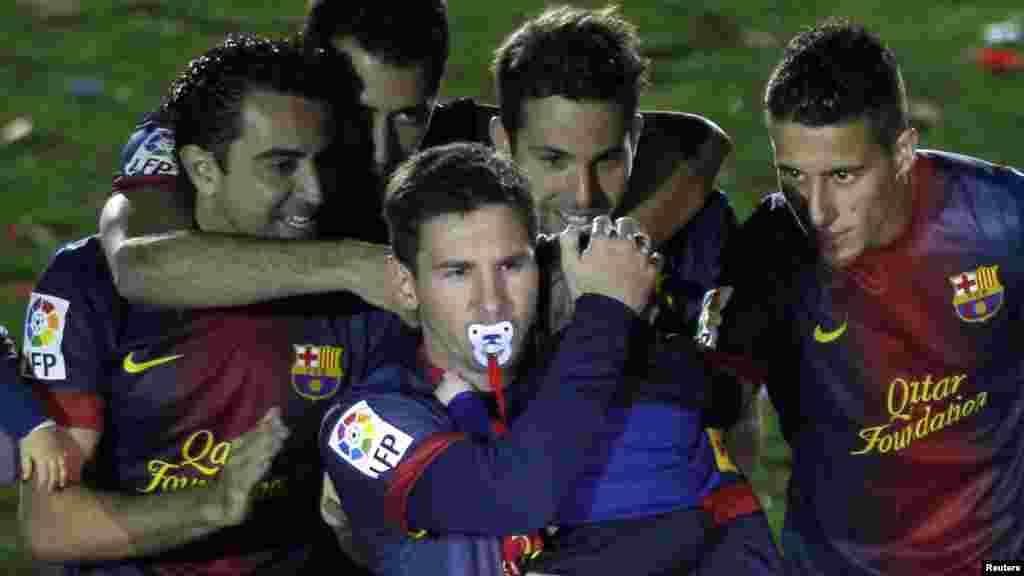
(75, 75)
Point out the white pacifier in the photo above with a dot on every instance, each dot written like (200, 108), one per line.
(491, 340)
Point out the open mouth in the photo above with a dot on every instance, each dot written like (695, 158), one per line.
(304, 223)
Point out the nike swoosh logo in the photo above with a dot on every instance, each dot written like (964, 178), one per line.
(132, 368)
(826, 337)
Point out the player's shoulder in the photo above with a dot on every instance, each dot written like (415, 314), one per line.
(683, 129)
(970, 168)
(458, 120)
(373, 428)
(986, 194)
(394, 394)
(77, 266)
(775, 220)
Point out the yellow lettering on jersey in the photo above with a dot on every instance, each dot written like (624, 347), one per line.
(202, 458)
(918, 408)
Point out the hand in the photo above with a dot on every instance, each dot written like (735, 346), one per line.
(330, 506)
(452, 384)
(617, 263)
(251, 455)
(52, 456)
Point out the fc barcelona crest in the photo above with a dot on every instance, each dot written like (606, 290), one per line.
(977, 295)
(317, 371)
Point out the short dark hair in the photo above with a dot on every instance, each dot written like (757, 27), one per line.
(421, 37)
(838, 72)
(456, 178)
(204, 103)
(570, 52)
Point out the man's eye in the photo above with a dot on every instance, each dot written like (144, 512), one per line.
(554, 162)
(789, 173)
(410, 118)
(514, 266)
(844, 177)
(454, 273)
(286, 167)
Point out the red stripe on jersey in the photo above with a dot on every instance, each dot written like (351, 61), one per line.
(72, 409)
(396, 500)
(730, 502)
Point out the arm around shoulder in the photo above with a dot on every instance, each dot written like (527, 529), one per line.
(156, 256)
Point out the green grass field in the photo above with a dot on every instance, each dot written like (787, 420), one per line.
(712, 61)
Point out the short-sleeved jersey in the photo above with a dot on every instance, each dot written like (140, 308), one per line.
(187, 384)
(71, 328)
(20, 411)
(899, 383)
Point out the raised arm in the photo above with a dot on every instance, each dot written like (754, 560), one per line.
(678, 159)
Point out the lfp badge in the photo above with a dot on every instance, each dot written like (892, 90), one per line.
(977, 295)
(317, 371)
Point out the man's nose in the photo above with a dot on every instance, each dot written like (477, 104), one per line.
(309, 185)
(386, 148)
(820, 198)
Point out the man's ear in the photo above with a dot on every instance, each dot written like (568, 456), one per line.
(202, 170)
(906, 145)
(404, 283)
(499, 136)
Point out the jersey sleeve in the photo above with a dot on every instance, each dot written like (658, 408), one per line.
(517, 481)
(69, 339)
(362, 442)
(20, 412)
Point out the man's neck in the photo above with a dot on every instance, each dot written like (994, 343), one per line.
(439, 357)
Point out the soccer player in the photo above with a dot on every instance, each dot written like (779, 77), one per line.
(44, 449)
(892, 349)
(568, 82)
(200, 430)
(157, 256)
(464, 233)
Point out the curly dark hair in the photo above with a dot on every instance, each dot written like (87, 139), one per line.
(452, 179)
(423, 39)
(571, 52)
(838, 72)
(203, 105)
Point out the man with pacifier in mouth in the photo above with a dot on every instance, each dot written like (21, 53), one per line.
(431, 481)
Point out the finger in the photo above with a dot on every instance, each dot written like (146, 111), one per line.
(657, 259)
(53, 476)
(62, 466)
(274, 413)
(602, 227)
(569, 241)
(26, 467)
(627, 227)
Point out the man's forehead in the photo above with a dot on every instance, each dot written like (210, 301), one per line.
(268, 116)
(579, 127)
(486, 234)
(386, 86)
(822, 147)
